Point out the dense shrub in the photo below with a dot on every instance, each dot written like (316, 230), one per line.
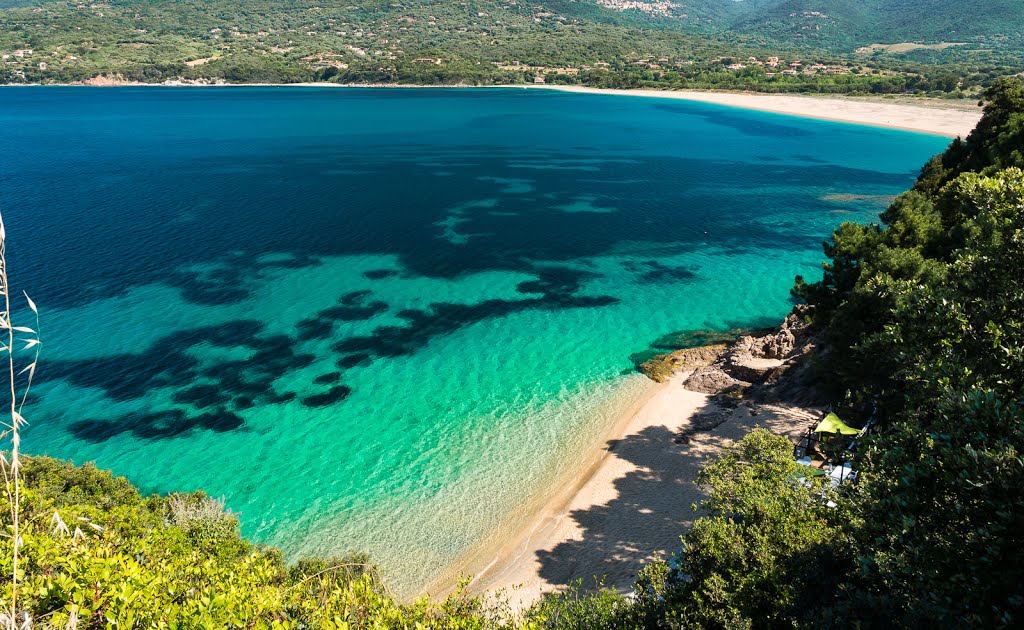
(97, 551)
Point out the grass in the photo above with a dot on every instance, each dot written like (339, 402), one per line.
(11, 464)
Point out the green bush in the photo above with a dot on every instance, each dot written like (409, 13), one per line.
(96, 551)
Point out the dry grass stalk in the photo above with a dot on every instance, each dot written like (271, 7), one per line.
(11, 464)
(185, 510)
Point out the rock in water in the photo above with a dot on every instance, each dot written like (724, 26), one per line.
(661, 366)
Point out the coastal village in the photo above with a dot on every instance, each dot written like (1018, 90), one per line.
(18, 61)
(772, 67)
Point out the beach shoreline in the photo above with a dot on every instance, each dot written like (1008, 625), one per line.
(480, 558)
(507, 566)
(626, 505)
(635, 503)
(916, 114)
(931, 118)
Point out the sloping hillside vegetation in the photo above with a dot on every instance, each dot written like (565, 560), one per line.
(97, 554)
(602, 43)
(849, 24)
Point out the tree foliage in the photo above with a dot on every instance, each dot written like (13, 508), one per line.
(96, 551)
(746, 563)
(926, 321)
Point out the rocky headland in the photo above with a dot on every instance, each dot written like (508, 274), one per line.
(767, 366)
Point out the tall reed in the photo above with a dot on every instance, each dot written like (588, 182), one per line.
(10, 463)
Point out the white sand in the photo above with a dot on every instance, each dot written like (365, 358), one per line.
(634, 503)
(930, 116)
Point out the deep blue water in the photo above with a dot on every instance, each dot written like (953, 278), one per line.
(379, 319)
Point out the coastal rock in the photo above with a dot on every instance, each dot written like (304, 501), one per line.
(710, 379)
(106, 80)
(759, 360)
(660, 367)
(752, 369)
(180, 81)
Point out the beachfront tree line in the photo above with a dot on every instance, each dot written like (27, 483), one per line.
(924, 317)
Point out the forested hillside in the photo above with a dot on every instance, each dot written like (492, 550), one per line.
(602, 43)
(924, 316)
(850, 24)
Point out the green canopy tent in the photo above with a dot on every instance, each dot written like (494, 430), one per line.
(832, 424)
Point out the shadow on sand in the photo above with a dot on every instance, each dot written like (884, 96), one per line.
(652, 505)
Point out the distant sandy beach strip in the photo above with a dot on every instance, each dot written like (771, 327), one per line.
(632, 502)
(934, 117)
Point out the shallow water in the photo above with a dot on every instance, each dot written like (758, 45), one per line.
(382, 319)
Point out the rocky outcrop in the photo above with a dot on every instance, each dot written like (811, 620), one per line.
(106, 80)
(199, 81)
(661, 366)
(756, 365)
(770, 365)
(710, 379)
(763, 359)
(752, 362)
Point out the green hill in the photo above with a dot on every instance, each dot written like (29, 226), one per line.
(270, 40)
(848, 24)
(833, 24)
(602, 43)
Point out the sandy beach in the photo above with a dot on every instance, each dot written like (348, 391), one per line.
(924, 116)
(633, 503)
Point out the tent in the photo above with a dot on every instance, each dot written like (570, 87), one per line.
(832, 424)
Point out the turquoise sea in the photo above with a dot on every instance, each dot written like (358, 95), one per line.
(385, 320)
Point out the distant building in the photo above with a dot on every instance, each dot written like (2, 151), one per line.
(539, 80)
